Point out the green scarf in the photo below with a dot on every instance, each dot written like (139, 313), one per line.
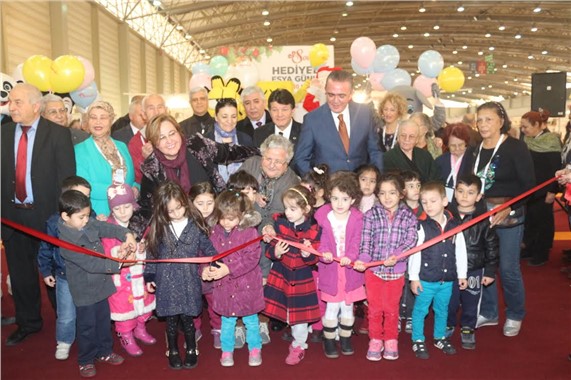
(546, 142)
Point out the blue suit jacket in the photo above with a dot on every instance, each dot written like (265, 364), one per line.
(319, 141)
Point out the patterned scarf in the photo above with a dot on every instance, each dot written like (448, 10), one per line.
(177, 169)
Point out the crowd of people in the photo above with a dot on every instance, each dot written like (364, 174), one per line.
(337, 200)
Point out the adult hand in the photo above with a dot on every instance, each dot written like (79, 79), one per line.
(50, 281)
(151, 286)
(500, 216)
(564, 176)
(147, 150)
(549, 198)
(261, 200)
(269, 233)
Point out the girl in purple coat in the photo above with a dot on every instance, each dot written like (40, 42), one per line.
(238, 290)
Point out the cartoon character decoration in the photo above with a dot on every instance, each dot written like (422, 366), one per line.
(315, 96)
(229, 90)
(7, 84)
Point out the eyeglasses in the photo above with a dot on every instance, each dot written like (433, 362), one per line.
(53, 112)
(271, 161)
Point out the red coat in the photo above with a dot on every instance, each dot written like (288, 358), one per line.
(290, 293)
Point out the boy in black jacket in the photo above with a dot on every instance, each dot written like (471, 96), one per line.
(482, 246)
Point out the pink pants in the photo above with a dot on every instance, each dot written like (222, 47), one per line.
(130, 324)
(215, 321)
(383, 298)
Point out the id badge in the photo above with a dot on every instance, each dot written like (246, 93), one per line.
(449, 193)
(119, 176)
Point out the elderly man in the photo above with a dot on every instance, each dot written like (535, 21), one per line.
(53, 109)
(136, 125)
(281, 104)
(340, 133)
(200, 121)
(31, 144)
(406, 156)
(124, 120)
(256, 115)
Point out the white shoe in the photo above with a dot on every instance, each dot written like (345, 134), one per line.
(240, 337)
(265, 333)
(62, 351)
(511, 327)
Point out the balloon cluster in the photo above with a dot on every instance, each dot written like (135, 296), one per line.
(67, 73)
(318, 55)
(380, 64)
(202, 73)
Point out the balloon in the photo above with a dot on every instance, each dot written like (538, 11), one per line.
(89, 72)
(247, 73)
(84, 97)
(396, 77)
(218, 65)
(451, 79)
(199, 80)
(424, 85)
(386, 59)
(36, 70)
(67, 74)
(361, 70)
(18, 73)
(318, 55)
(375, 81)
(200, 67)
(430, 63)
(363, 51)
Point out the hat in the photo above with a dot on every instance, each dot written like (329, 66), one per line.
(121, 194)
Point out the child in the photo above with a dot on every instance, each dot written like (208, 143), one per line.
(482, 245)
(368, 181)
(388, 230)
(202, 196)
(52, 268)
(131, 306)
(177, 231)
(317, 181)
(88, 278)
(238, 290)
(340, 285)
(434, 271)
(290, 292)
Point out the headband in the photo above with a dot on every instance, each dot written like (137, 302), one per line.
(300, 193)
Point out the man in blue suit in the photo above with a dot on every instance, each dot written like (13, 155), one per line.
(340, 133)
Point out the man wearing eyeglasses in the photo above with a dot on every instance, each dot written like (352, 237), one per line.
(340, 133)
(53, 109)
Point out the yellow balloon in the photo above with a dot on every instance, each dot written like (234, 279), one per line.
(451, 79)
(318, 55)
(67, 74)
(36, 71)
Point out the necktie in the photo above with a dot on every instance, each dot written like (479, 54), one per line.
(258, 124)
(343, 133)
(21, 163)
(281, 133)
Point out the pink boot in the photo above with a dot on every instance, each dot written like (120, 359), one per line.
(142, 334)
(129, 344)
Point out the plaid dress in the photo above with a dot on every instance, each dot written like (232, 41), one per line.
(290, 293)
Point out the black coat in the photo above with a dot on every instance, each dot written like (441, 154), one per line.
(124, 134)
(262, 133)
(245, 125)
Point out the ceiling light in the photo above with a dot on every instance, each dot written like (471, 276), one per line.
(354, 74)
(157, 3)
(395, 35)
(349, 3)
(410, 46)
(530, 56)
(506, 82)
(491, 48)
(477, 75)
(544, 52)
(436, 27)
(188, 36)
(502, 27)
(464, 47)
(460, 62)
(487, 35)
(515, 92)
(452, 96)
(333, 39)
(267, 23)
(207, 57)
(403, 27)
(335, 31)
(504, 66)
(460, 8)
(480, 53)
(515, 79)
(469, 78)
(179, 27)
(537, 9)
(455, 52)
(202, 51)
(412, 74)
(517, 36)
(483, 88)
(344, 14)
(427, 34)
(265, 12)
(269, 39)
(422, 9)
(489, 86)
(534, 29)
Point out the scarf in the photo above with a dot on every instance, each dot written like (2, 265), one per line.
(544, 143)
(226, 170)
(177, 169)
(222, 133)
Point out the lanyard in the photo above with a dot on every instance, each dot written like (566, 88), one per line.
(454, 171)
(485, 170)
(394, 136)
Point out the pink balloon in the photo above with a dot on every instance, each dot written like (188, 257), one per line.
(375, 80)
(363, 51)
(199, 80)
(424, 85)
(89, 73)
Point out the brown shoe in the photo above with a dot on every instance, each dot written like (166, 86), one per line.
(87, 370)
(112, 358)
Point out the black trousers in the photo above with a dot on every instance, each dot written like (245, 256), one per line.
(539, 229)
(94, 338)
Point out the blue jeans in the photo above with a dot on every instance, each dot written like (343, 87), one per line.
(253, 337)
(512, 280)
(439, 293)
(65, 324)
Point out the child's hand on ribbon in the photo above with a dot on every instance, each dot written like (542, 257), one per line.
(327, 257)
(345, 261)
(391, 261)
(359, 266)
(281, 248)
(307, 243)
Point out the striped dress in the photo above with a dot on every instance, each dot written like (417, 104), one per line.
(290, 293)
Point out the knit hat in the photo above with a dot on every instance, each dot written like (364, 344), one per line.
(121, 194)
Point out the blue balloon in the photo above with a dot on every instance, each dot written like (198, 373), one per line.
(387, 58)
(361, 70)
(85, 96)
(218, 66)
(396, 77)
(430, 63)
(200, 68)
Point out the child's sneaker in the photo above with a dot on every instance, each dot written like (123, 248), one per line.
(240, 337)
(216, 339)
(420, 350)
(445, 346)
(62, 351)
(512, 327)
(295, 355)
(227, 359)
(112, 358)
(375, 349)
(87, 370)
(265, 332)
(408, 326)
(391, 349)
(468, 338)
(449, 331)
(255, 358)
